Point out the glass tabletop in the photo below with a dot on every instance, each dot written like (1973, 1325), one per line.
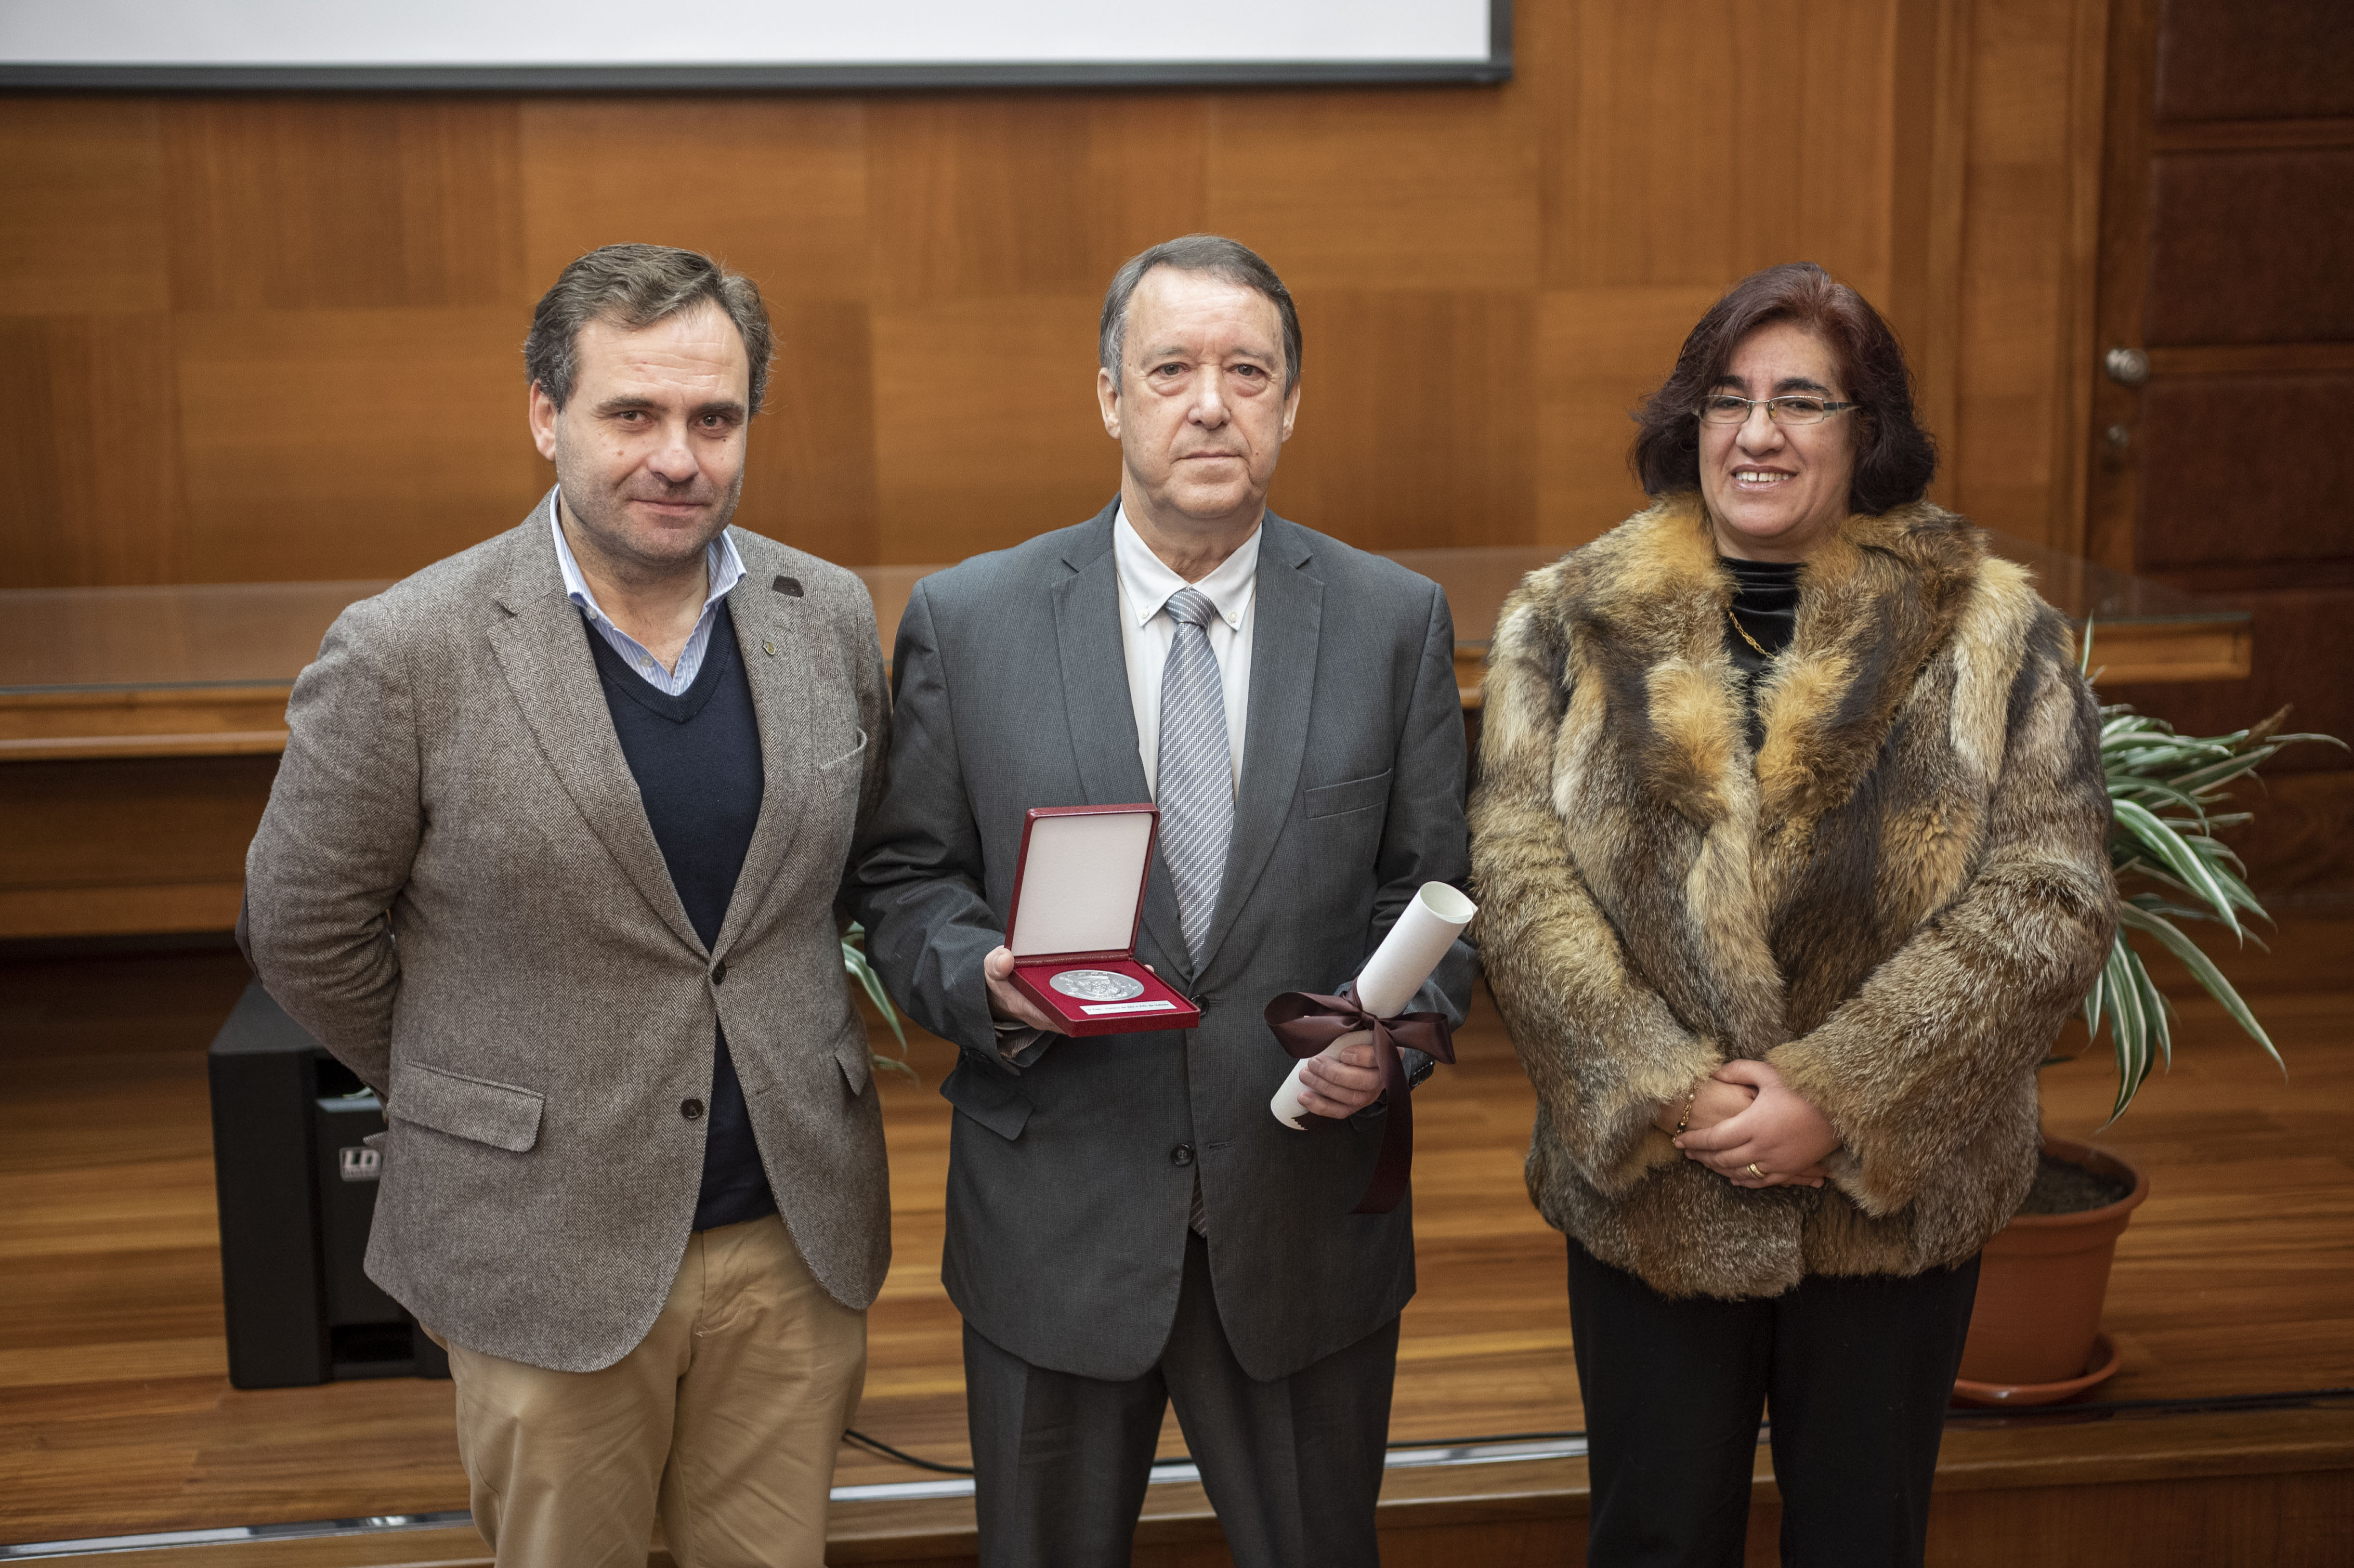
(243, 634)
(1478, 581)
(208, 634)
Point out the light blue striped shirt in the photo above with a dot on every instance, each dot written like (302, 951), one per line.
(721, 565)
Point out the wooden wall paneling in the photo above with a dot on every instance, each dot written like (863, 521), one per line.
(1148, 176)
(2299, 850)
(986, 429)
(2303, 646)
(146, 845)
(1694, 143)
(1599, 351)
(351, 443)
(2016, 281)
(2256, 59)
(92, 451)
(2076, 354)
(1664, 146)
(291, 202)
(2252, 135)
(1928, 164)
(2234, 473)
(810, 475)
(2252, 247)
(1415, 427)
(82, 227)
(776, 188)
(1427, 189)
(2111, 445)
(990, 196)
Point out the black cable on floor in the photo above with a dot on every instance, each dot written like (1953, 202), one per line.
(860, 1439)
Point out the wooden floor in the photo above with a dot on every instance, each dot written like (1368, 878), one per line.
(116, 1415)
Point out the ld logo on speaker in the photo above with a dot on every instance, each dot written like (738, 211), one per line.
(361, 1164)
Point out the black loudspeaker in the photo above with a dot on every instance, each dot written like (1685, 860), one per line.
(297, 1186)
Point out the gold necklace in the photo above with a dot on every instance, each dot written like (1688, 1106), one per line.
(1744, 633)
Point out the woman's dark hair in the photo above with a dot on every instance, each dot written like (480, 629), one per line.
(1894, 457)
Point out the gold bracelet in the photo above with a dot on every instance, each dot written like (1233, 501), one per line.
(1684, 1121)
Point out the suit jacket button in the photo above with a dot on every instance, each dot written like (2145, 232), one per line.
(1202, 1006)
(1182, 1155)
(719, 972)
(690, 1108)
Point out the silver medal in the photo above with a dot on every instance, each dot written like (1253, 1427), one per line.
(1096, 985)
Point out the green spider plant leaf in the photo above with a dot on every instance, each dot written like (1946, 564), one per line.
(2128, 1029)
(853, 962)
(2155, 1008)
(2214, 775)
(2162, 787)
(2162, 840)
(2203, 969)
(2158, 793)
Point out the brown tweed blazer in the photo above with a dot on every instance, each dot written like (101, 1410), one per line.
(455, 888)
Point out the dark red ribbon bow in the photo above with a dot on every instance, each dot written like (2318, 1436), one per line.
(1305, 1023)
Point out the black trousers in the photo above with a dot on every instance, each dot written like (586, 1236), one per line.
(1293, 1466)
(1856, 1373)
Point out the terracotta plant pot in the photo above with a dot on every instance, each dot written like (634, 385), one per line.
(2034, 1332)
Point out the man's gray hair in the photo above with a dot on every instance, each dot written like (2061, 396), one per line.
(1225, 260)
(636, 286)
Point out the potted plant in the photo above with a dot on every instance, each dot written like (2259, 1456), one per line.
(2035, 1334)
(853, 962)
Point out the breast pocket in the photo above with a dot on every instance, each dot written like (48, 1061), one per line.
(1349, 796)
(841, 775)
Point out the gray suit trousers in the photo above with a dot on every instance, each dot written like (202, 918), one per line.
(1293, 1465)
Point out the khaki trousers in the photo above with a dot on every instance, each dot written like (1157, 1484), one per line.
(724, 1421)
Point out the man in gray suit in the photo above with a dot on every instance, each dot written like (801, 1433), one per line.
(551, 862)
(1127, 1224)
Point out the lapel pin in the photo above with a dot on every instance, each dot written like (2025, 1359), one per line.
(790, 587)
(769, 646)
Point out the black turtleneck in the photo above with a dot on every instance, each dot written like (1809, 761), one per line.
(1766, 606)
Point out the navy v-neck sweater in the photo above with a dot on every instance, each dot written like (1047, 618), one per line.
(697, 759)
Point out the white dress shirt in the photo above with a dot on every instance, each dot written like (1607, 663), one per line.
(1146, 634)
(722, 570)
(1145, 584)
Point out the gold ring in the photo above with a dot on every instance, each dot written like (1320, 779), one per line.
(1754, 1171)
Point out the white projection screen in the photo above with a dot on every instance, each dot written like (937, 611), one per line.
(762, 44)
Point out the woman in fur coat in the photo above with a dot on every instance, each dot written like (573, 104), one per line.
(1789, 846)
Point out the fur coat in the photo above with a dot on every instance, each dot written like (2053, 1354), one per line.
(1896, 900)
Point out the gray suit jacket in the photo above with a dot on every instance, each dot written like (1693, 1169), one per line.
(1068, 1200)
(456, 889)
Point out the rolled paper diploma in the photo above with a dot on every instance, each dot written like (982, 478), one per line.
(1396, 971)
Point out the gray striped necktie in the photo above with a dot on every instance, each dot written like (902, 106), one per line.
(1196, 767)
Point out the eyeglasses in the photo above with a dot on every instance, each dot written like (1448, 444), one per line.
(1724, 409)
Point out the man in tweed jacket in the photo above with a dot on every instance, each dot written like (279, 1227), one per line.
(551, 864)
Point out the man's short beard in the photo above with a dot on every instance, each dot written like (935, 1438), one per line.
(600, 517)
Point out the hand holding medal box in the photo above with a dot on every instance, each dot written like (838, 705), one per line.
(1078, 898)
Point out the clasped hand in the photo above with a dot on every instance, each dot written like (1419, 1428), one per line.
(1744, 1115)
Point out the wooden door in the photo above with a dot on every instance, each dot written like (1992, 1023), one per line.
(2222, 446)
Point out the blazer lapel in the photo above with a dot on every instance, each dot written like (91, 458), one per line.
(1287, 618)
(1097, 709)
(767, 618)
(543, 653)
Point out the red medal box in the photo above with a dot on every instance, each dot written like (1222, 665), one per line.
(1078, 898)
